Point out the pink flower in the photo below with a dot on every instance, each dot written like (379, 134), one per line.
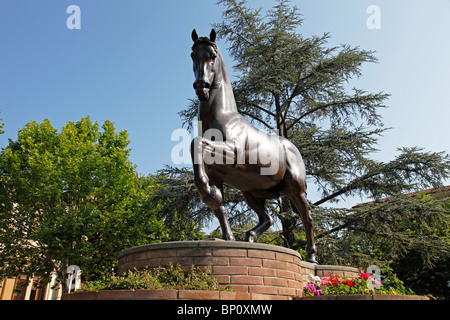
(311, 288)
(325, 281)
(377, 283)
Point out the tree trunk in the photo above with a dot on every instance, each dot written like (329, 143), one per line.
(288, 232)
(288, 223)
(281, 125)
(61, 273)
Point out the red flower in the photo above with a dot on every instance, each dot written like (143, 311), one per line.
(349, 283)
(334, 281)
(365, 275)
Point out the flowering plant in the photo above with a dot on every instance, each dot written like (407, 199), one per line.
(312, 291)
(363, 284)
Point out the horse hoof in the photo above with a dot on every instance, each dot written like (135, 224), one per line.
(312, 259)
(250, 236)
(228, 237)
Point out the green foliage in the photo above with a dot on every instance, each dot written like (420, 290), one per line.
(179, 204)
(132, 281)
(392, 284)
(1, 126)
(183, 206)
(284, 77)
(168, 277)
(411, 231)
(71, 197)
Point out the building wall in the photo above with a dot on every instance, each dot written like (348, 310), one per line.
(17, 289)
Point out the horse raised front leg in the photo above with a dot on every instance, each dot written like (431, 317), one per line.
(221, 213)
(211, 194)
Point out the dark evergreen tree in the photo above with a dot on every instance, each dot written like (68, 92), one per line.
(298, 87)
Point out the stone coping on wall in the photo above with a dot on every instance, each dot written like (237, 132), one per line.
(208, 243)
(143, 294)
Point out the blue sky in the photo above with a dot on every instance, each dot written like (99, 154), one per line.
(130, 63)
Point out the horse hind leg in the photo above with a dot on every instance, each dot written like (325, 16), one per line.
(294, 188)
(265, 220)
(300, 206)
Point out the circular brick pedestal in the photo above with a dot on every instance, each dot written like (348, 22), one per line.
(252, 270)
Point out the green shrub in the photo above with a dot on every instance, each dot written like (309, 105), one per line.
(167, 277)
(392, 284)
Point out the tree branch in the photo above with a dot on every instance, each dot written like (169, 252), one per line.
(320, 107)
(351, 186)
(270, 113)
(257, 119)
(335, 229)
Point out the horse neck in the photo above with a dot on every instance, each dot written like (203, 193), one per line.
(224, 77)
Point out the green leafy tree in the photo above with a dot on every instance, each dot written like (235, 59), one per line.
(1, 126)
(180, 210)
(71, 197)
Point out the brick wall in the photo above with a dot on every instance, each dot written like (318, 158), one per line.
(252, 270)
(341, 271)
(259, 270)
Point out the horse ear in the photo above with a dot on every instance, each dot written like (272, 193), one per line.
(212, 35)
(194, 35)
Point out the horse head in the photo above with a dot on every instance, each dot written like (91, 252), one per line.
(204, 54)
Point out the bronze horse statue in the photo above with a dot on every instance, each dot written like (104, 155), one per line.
(260, 165)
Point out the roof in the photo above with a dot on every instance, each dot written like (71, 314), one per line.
(445, 189)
